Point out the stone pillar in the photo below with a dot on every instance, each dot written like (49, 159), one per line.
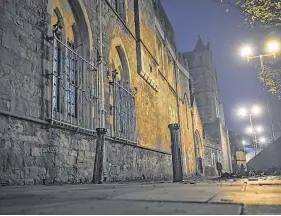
(98, 166)
(176, 152)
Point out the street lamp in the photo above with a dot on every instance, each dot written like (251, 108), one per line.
(246, 51)
(259, 129)
(250, 130)
(254, 111)
(253, 131)
(273, 47)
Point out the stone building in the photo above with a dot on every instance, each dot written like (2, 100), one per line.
(210, 106)
(87, 91)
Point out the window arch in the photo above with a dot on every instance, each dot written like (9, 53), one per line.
(73, 75)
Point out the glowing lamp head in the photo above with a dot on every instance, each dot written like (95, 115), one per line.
(246, 51)
(259, 129)
(244, 142)
(273, 46)
(256, 110)
(242, 112)
(249, 130)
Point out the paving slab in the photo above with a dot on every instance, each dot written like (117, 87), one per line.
(262, 210)
(115, 207)
(248, 198)
(263, 189)
(192, 194)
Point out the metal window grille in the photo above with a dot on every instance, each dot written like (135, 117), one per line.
(74, 88)
(124, 112)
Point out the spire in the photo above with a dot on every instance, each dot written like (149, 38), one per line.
(199, 45)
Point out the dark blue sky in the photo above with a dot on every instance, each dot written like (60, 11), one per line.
(227, 33)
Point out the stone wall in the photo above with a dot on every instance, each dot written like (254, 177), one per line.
(132, 163)
(34, 151)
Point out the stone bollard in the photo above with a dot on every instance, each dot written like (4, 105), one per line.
(98, 167)
(176, 152)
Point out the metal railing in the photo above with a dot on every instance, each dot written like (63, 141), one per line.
(74, 88)
(124, 118)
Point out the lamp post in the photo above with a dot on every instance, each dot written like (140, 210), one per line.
(262, 140)
(272, 47)
(256, 110)
(254, 132)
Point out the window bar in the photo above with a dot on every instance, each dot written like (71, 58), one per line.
(91, 97)
(52, 88)
(130, 118)
(134, 121)
(127, 116)
(83, 95)
(77, 89)
(57, 75)
(89, 72)
(114, 103)
(88, 80)
(62, 66)
(69, 85)
(98, 101)
(120, 102)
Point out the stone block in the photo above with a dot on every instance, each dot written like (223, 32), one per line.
(29, 182)
(10, 40)
(42, 136)
(262, 210)
(36, 152)
(2, 143)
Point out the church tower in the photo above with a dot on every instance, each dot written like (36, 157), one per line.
(210, 106)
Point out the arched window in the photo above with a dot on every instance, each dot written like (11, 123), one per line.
(124, 119)
(73, 76)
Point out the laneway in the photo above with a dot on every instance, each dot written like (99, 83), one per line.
(254, 196)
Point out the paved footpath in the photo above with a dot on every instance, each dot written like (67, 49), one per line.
(260, 196)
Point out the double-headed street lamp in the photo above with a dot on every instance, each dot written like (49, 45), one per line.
(273, 47)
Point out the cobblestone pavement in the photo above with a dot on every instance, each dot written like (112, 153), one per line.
(245, 196)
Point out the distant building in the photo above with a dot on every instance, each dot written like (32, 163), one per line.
(238, 151)
(210, 106)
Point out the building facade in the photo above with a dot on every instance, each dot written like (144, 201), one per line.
(87, 91)
(210, 106)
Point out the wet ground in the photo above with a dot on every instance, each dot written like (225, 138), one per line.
(243, 196)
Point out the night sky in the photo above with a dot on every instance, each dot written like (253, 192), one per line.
(227, 32)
